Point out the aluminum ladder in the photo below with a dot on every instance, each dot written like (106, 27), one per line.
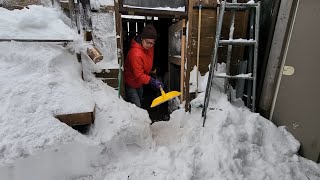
(254, 14)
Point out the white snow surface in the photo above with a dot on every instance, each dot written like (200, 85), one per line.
(37, 22)
(104, 36)
(36, 81)
(193, 81)
(96, 4)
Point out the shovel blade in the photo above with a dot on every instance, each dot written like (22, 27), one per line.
(164, 98)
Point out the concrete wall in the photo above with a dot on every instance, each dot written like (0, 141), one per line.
(297, 101)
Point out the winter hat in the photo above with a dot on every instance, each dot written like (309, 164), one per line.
(149, 32)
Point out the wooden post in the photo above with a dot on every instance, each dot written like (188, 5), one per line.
(189, 55)
(182, 68)
(119, 37)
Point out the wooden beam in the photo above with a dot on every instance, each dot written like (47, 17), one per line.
(107, 73)
(182, 67)
(151, 12)
(113, 82)
(189, 56)
(119, 36)
(77, 118)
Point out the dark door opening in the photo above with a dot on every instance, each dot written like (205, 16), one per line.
(132, 26)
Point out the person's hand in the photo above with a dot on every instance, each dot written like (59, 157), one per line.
(155, 83)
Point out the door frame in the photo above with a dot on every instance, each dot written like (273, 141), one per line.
(180, 61)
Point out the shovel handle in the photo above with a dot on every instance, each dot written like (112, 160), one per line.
(160, 87)
(162, 91)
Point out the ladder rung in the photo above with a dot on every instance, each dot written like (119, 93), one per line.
(237, 42)
(241, 5)
(232, 77)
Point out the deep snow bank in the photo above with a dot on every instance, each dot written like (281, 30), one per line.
(41, 80)
(234, 144)
(37, 22)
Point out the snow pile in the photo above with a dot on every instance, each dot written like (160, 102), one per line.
(96, 4)
(37, 82)
(41, 80)
(37, 22)
(193, 81)
(234, 144)
(104, 36)
(33, 81)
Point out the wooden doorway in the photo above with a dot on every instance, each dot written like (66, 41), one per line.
(176, 56)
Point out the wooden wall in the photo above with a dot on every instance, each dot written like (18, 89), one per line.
(207, 37)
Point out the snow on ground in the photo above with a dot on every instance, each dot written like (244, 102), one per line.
(37, 22)
(37, 81)
(193, 81)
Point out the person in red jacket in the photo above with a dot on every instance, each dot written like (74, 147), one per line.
(138, 65)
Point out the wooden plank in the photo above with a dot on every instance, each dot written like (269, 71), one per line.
(206, 3)
(209, 18)
(182, 67)
(188, 55)
(208, 38)
(241, 23)
(77, 118)
(113, 82)
(179, 26)
(107, 73)
(118, 20)
(208, 28)
(150, 12)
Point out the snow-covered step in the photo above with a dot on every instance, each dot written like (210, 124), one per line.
(109, 76)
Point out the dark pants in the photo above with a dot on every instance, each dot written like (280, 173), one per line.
(134, 95)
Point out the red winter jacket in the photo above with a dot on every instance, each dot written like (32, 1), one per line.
(138, 65)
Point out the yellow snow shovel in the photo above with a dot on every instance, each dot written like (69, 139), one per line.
(164, 97)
